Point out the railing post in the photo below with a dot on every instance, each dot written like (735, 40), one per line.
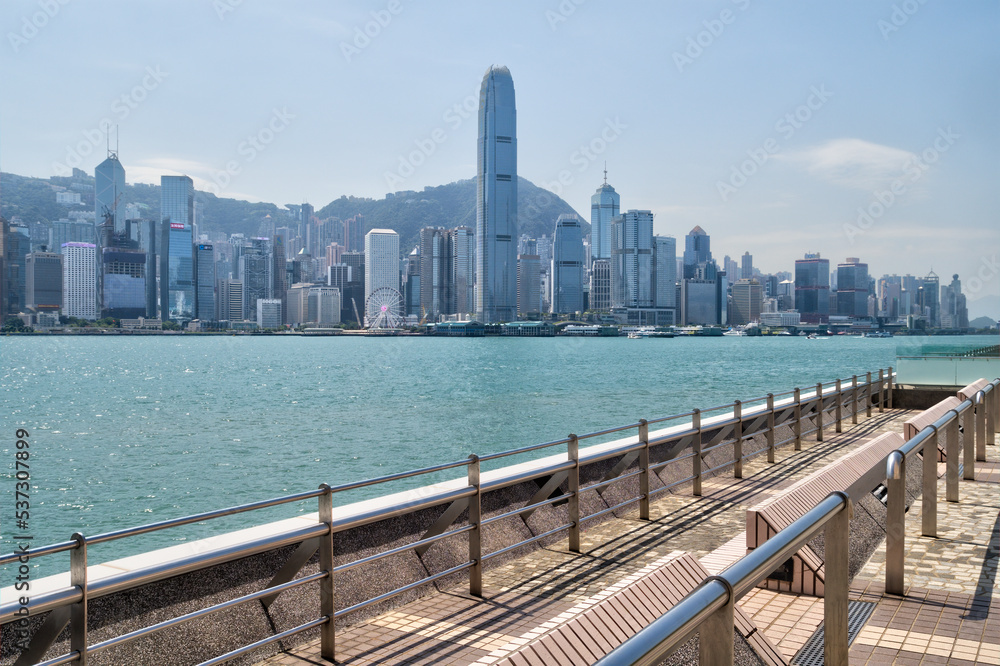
(992, 407)
(476, 535)
(868, 395)
(717, 633)
(951, 459)
(328, 640)
(738, 440)
(840, 402)
(890, 387)
(836, 586)
(573, 452)
(798, 419)
(969, 445)
(78, 611)
(928, 499)
(770, 427)
(854, 400)
(819, 412)
(881, 391)
(644, 470)
(980, 404)
(895, 526)
(696, 450)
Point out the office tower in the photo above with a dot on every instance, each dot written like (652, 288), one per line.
(928, 294)
(600, 285)
(177, 200)
(631, 260)
(463, 251)
(71, 231)
(529, 294)
(748, 299)
(354, 229)
(279, 274)
(496, 199)
(4, 233)
(269, 313)
(664, 280)
(433, 261)
(567, 270)
(230, 300)
(323, 306)
(411, 284)
(812, 289)
(306, 227)
(256, 266)
(80, 280)
(746, 266)
(205, 306)
(381, 270)
(17, 243)
(604, 205)
(44, 281)
(954, 313)
(544, 247)
(123, 271)
(176, 271)
(297, 304)
(697, 251)
(109, 188)
(149, 241)
(852, 289)
(353, 295)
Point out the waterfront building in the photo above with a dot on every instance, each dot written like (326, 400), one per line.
(954, 313)
(748, 300)
(297, 304)
(381, 260)
(176, 271)
(567, 271)
(433, 272)
(664, 273)
(279, 275)
(149, 240)
(812, 288)
(123, 271)
(852, 289)
(109, 187)
(16, 245)
(529, 297)
(353, 293)
(631, 260)
(43, 281)
(323, 306)
(697, 252)
(928, 299)
(600, 285)
(463, 252)
(496, 199)
(788, 319)
(231, 300)
(4, 234)
(256, 272)
(269, 313)
(80, 280)
(604, 207)
(205, 279)
(699, 303)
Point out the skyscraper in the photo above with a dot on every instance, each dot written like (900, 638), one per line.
(124, 280)
(604, 205)
(697, 251)
(600, 285)
(567, 266)
(812, 289)
(44, 281)
(177, 200)
(381, 264)
(664, 272)
(528, 284)
(631, 260)
(748, 297)
(176, 248)
(80, 280)
(109, 186)
(205, 302)
(852, 288)
(746, 267)
(496, 199)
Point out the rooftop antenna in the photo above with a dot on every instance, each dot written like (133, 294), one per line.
(605, 172)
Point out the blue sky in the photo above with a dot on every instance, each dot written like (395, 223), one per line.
(773, 125)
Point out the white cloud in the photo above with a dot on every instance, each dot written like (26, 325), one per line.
(853, 163)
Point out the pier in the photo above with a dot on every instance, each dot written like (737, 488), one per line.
(500, 564)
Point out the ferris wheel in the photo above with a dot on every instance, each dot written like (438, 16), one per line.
(384, 309)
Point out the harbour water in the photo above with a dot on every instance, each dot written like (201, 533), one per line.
(131, 430)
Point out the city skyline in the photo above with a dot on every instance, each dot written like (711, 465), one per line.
(773, 148)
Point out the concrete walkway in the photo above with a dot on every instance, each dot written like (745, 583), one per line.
(451, 627)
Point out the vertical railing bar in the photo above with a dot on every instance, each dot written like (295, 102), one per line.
(868, 395)
(895, 524)
(840, 403)
(854, 400)
(881, 391)
(78, 611)
(980, 405)
(644, 470)
(951, 458)
(798, 419)
(928, 504)
(328, 639)
(836, 586)
(696, 448)
(819, 412)
(969, 445)
(476, 535)
(738, 441)
(890, 387)
(770, 427)
(573, 453)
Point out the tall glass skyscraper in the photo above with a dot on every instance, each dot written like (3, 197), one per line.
(604, 207)
(496, 199)
(204, 260)
(109, 187)
(632, 260)
(697, 251)
(812, 289)
(567, 266)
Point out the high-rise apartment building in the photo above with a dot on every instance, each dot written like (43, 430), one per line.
(496, 199)
(604, 205)
(567, 270)
(44, 281)
(80, 280)
(812, 289)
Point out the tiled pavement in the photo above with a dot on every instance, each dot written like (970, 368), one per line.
(450, 627)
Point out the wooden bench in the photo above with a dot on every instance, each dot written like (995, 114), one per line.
(621, 611)
(925, 418)
(857, 474)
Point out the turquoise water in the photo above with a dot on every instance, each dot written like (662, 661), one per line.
(131, 430)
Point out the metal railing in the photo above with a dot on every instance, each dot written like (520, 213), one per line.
(685, 438)
(709, 608)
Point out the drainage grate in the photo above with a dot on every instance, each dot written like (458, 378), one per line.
(811, 653)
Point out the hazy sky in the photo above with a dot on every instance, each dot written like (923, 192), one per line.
(770, 124)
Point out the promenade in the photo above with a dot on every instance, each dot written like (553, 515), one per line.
(949, 614)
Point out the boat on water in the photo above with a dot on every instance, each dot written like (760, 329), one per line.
(735, 332)
(634, 335)
(877, 334)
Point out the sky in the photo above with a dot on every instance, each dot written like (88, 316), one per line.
(855, 128)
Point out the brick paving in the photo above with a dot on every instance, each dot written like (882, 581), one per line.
(451, 627)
